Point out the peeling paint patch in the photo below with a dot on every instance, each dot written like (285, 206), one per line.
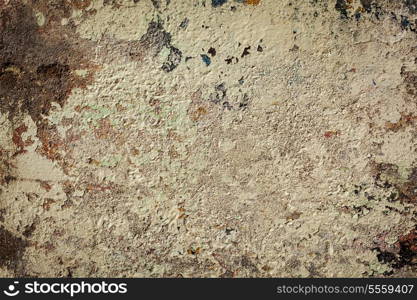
(212, 167)
(174, 59)
(35, 67)
(404, 180)
(155, 40)
(403, 254)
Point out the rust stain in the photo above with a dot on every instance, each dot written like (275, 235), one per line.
(198, 113)
(17, 136)
(98, 187)
(80, 4)
(47, 204)
(195, 251)
(36, 66)
(404, 252)
(51, 142)
(293, 216)
(45, 185)
(331, 133)
(105, 129)
(409, 240)
(252, 2)
(405, 120)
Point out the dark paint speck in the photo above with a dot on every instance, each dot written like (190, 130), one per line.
(216, 3)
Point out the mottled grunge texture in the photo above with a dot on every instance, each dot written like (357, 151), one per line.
(208, 138)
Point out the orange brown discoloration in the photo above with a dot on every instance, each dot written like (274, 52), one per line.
(331, 133)
(198, 113)
(47, 204)
(252, 2)
(45, 185)
(405, 120)
(36, 67)
(51, 143)
(105, 129)
(17, 136)
(388, 174)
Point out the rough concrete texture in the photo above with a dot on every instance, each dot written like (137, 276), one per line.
(208, 138)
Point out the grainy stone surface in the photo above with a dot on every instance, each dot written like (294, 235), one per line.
(197, 138)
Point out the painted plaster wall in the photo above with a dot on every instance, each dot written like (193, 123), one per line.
(203, 138)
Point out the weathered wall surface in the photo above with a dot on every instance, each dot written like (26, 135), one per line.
(194, 138)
